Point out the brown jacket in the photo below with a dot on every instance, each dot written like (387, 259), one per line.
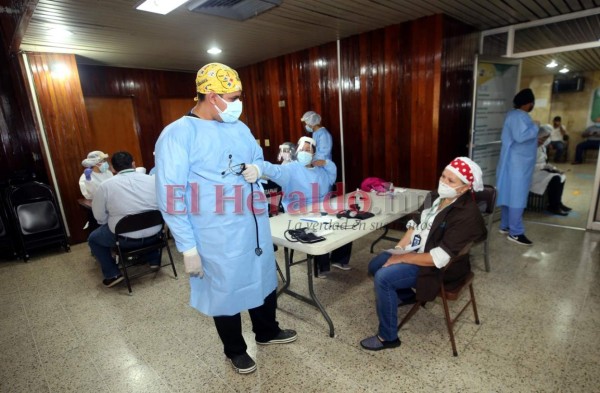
(453, 228)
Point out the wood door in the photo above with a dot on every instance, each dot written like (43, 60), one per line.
(172, 109)
(113, 126)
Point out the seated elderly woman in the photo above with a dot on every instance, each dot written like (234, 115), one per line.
(444, 229)
(548, 178)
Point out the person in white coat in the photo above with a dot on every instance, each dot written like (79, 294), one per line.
(203, 162)
(96, 171)
(547, 178)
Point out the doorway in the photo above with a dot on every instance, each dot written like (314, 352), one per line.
(561, 64)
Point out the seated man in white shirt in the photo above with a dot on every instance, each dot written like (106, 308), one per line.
(128, 192)
(557, 138)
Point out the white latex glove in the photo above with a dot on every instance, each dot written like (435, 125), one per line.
(251, 173)
(193, 263)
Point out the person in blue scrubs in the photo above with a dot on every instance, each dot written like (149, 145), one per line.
(203, 161)
(515, 167)
(312, 125)
(305, 182)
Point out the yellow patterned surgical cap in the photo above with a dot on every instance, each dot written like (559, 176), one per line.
(218, 78)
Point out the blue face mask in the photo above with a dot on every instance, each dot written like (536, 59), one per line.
(104, 167)
(304, 157)
(232, 112)
(308, 128)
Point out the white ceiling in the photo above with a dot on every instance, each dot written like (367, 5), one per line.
(113, 32)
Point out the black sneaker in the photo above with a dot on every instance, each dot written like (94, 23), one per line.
(285, 336)
(111, 282)
(557, 212)
(243, 364)
(503, 231)
(565, 208)
(520, 239)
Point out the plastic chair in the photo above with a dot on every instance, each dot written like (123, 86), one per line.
(486, 200)
(452, 295)
(132, 256)
(36, 216)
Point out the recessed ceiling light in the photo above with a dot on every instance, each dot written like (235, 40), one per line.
(552, 64)
(214, 51)
(162, 7)
(563, 70)
(59, 32)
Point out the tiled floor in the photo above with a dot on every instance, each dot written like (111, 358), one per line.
(62, 331)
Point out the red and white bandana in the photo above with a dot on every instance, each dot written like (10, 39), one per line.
(467, 171)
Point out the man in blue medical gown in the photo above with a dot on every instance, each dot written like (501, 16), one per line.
(515, 167)
(201, 162)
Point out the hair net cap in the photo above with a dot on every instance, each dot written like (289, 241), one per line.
(217, 78)
(544, 130)
(468, 171)
(94, 158)
(311, 118)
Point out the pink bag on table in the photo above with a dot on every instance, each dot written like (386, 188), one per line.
(375, 184)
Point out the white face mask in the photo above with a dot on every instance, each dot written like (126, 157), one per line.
(232, 112)
(308, 128)
(103, 167)
(304, 157)
(445, 191)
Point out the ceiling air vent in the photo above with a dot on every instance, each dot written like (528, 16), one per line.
(233, 9)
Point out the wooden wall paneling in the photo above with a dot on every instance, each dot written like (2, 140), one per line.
(458, 57)
(376, 107)
(305, 80)
(172, 109)
(146, 87)
(426, 50)
(67, 129)
(113, 126)
(20, 151)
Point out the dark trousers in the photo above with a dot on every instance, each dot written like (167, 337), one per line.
(555, 190)
(339, 255)
(559, 147)
(264, 326)
(583, 146)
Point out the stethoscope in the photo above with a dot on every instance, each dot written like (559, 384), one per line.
(237, 170)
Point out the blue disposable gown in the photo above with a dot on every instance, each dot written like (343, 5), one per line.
(517, 159)
(193, 151)
(301, 186)
(324, 143)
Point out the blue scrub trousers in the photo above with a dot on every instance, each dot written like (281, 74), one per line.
(512, 218)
